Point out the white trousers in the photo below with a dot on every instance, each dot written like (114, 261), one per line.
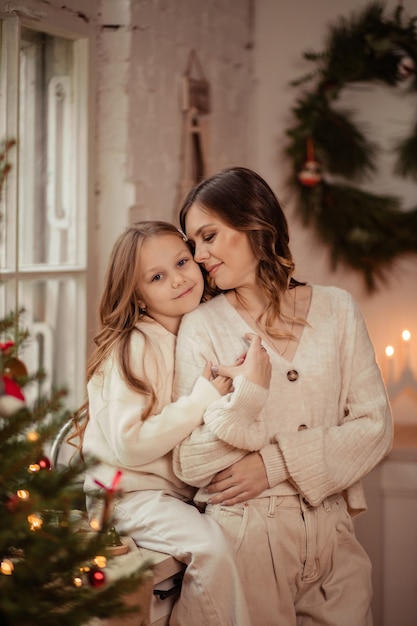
(211, 593)
(299, 565)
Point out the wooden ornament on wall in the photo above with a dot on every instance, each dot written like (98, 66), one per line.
(196, 107)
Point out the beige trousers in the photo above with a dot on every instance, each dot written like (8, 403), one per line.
(300, 565)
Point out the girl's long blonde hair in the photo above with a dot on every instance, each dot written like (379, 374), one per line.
(120, 314)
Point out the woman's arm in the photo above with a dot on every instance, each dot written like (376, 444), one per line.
(233, 424)
(321, 461)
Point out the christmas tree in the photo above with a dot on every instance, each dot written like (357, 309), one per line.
(52, 564)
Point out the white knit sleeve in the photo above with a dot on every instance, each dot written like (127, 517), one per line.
(238, 418)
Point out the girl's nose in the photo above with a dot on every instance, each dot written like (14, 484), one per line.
(177, 279)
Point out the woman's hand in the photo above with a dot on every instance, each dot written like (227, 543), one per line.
(255, 365)
(242, 481)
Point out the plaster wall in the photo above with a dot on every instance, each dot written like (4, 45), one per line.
(143, 50)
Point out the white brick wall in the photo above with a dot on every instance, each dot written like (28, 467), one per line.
(142, 54)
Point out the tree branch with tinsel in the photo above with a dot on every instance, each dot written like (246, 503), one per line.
(365, 231)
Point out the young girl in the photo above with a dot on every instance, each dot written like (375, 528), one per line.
(288, 508)
(152, 280)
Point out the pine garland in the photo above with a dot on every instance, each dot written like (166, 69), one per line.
(365, 231)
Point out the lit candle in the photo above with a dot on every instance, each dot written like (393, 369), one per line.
(406, 336)
(389, 351)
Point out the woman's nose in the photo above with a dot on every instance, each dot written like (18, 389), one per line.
(200, 253)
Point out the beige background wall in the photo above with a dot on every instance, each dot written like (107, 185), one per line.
(284, 30)
(250, 51)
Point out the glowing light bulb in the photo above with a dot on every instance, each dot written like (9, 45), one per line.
(32, 436)
(100, 561)
(6, 567)
(23, 494)
(95, 524)
(35, 522)
(406, 335)
(389, 351)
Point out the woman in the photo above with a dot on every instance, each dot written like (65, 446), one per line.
(288, 508)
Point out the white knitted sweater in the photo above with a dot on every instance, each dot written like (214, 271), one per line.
(326, 429)
(119, 437)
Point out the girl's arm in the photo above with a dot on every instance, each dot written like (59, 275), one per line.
(116, 411)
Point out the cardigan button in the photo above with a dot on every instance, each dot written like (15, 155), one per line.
(292, 375)
(302, 427)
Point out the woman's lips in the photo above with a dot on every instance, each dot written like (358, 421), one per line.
(213, 269)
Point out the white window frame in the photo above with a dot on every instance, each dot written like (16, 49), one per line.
(82, 37)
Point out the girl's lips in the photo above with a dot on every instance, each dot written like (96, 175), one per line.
(185, 293)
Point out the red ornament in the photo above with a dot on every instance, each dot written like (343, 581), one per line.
(44, 463)
(406, 67)
(96, 577)
(11, 396)
(15, 368)
(310, 175)
(11, 388)
(5, 347)
(12, 502)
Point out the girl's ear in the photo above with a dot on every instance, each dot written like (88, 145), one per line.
(142, 305)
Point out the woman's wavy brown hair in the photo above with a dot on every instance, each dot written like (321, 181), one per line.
(244, 201)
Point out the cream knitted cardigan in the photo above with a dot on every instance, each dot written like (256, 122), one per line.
(326, 429)
(120, 439)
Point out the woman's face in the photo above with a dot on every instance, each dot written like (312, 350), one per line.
(223, 251)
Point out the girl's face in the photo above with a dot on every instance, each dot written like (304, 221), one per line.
(223, 251)
(170, 281)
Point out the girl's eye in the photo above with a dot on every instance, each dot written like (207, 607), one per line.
(208, 237)
(156, 277)
(182, 262)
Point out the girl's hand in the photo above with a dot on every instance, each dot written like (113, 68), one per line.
(255, 365)
(223, 384)
(241, 481)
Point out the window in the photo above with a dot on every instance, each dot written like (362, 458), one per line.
(43, 231)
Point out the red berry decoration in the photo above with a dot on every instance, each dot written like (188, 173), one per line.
(96, 577)
(44, 463)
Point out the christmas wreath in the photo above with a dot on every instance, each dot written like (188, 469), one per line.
(330, 155)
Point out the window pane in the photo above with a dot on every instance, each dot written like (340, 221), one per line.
(44, 106)
(47, 201)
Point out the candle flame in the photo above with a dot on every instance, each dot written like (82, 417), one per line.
(389, 351)
(406, 335)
